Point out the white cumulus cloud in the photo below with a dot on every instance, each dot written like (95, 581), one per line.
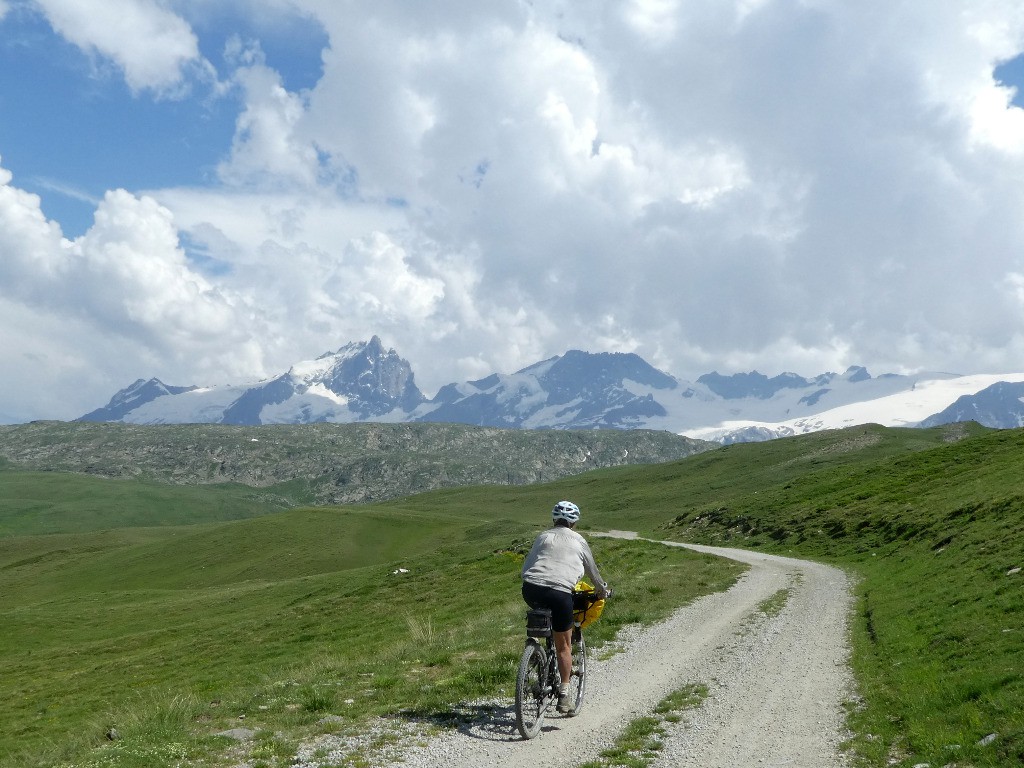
(151, 44)
(711, 184)
(125, 287)
(267, 150)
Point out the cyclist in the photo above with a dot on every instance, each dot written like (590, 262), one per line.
(557, 560)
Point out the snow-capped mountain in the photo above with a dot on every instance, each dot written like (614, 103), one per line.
(1000, 405)
(578, 390)
(915, 402)
(359, 382)
(131, 398)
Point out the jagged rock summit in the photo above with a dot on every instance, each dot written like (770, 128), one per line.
(360, 379)
(360, 382)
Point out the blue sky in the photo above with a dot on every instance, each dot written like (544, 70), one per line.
(210, 192)
(1011, 73)
(80, 131)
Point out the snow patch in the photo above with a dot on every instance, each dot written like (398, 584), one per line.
(904, 408)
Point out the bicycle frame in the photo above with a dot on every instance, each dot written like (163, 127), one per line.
(538, 679)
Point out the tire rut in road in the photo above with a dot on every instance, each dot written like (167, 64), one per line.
(777, 698)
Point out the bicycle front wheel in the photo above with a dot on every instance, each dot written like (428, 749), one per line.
(531, 682)
(578, 679)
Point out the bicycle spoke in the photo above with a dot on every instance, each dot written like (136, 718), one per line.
(578, 679)
(531, 684)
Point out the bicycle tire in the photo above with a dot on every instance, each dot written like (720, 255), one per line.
(578, 679)
(531, 682)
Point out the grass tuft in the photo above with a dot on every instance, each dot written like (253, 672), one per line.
(773, 606)
(642, 739)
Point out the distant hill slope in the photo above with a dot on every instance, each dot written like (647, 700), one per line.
(47, 503)
(333, 463)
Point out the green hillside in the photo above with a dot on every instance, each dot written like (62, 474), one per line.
(172, 633)
(63, 502)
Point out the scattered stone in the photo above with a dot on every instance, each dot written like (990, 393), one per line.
(238, 734)
(386, 741)
(113, 734)
(988, 739)
(1012, 571)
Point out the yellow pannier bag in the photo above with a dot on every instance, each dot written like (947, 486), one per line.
(586, 609)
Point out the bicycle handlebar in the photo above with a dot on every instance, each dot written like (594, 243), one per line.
(592, 596)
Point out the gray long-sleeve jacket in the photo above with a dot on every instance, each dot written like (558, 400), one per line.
(558, 558)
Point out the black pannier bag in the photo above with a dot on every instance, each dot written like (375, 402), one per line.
(538, 622)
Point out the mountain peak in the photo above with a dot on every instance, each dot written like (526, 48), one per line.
(856, 373)
(378, 380)
(600, 370)
(578, 390)
(136, 394)
(365, 381)
(359, 381)
(745, 385)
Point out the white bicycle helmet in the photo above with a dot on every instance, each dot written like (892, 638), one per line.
(565, 510)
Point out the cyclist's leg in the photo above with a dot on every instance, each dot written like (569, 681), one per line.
(561, 623)
(561, 607)
(563, 648)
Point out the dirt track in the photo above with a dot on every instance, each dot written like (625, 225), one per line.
(776, 684)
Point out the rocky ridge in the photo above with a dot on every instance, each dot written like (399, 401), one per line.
(334, 463)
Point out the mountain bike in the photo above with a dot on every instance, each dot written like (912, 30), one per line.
(538, 680)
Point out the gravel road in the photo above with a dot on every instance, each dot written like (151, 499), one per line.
(776, 684)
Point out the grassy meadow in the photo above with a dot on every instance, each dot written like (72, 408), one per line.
(61, 502)
(171, 629)
(172, 633)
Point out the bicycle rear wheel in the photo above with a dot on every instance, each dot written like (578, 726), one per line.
(531, 685)
(578, 679)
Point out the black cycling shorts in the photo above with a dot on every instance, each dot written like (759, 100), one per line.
(559, 602)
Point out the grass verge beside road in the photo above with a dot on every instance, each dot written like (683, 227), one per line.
(935, 534)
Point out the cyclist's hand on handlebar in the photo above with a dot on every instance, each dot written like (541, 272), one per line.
(605, 593)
